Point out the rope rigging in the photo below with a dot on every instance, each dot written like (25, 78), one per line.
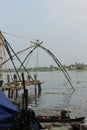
(27, 57)
(54, 58)
(8, 51)
(17, 54)
(15, 35)
(35, 46)
(7, 46)
(60, 65)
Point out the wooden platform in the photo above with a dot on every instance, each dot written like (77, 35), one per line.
(19, 85)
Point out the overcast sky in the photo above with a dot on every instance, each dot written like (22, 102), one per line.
(60, 24)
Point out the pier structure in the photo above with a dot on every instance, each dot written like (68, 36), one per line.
(16, 83)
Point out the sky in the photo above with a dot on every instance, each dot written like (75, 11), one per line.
(60, 24)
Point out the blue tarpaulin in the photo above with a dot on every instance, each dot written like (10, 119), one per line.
(7, 108)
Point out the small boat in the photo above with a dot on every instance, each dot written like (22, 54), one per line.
(58, 119)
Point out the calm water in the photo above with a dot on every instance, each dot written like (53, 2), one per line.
(57, 93)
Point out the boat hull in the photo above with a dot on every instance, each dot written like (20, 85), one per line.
(57, 119)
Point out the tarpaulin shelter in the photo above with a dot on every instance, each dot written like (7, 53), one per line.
(7, 111)
(7, 108)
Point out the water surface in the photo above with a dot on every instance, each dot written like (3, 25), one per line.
(57, 93)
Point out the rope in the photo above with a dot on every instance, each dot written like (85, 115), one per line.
(15, 35)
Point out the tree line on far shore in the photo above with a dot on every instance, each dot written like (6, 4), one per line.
(76, 66)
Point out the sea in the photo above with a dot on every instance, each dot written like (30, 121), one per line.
(58, 94)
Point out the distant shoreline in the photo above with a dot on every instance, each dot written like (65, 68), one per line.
(45, 69)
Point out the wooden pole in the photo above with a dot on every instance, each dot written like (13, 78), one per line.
(39, 88)
(35, 78)
(25, 93)
(8, 81)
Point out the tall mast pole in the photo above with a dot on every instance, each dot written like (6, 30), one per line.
(1, 61)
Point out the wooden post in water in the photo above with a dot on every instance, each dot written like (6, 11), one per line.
(9, 93)
(35, 77)
(8, 81)
(28, 77)
(39, 88)
(15, 82)
(26, 99)
(25, 95)
(22, 100)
